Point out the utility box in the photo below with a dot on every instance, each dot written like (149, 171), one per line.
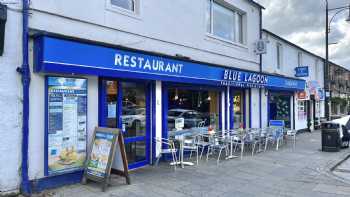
(331, 141)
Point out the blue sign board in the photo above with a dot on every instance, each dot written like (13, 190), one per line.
(65, 56)
(302, 71)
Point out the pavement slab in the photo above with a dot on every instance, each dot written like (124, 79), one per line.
(288, 172)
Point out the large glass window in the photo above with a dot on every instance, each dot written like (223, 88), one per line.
(197, 108)
(224, 22)
(238, 109)
(280, 108)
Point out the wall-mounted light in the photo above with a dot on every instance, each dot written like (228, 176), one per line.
(266, 92)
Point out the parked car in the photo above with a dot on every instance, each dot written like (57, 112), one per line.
(134, 116)
(192, 118)
(344, 134)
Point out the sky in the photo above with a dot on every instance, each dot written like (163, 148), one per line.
(303, 23)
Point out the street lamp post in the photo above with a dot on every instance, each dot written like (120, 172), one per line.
(326, 68)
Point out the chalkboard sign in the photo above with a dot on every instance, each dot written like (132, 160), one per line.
(102, 152)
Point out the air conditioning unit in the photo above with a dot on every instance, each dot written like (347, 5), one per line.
(260, 47)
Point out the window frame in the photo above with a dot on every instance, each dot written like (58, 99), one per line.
(135, 13)
(279, 55)
(239, 29)
(300, 58)
(316, 69)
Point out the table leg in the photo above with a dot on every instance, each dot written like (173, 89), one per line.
(231, 156)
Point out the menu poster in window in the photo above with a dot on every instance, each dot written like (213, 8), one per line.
(66, 124)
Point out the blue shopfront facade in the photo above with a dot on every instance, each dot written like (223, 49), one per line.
(127, 83)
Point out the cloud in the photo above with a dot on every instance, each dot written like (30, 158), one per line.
(303, 23)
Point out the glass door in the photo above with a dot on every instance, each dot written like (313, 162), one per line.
(126, 107)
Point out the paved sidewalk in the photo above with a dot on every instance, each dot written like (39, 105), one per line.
(304, 171)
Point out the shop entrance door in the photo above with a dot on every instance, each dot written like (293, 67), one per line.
(126, 106)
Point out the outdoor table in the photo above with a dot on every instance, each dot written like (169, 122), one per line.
(180, 136)
(232, 134)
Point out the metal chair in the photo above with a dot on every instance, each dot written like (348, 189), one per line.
(169, 150)
(275, 135)
(217, 143)
(190, 143)
(293, 134)
(246, 138)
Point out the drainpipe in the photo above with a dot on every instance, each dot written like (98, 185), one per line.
(24, 70)
(260, 68)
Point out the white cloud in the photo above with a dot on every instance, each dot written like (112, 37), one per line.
(303, 23)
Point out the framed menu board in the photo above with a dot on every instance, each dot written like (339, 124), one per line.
(66, 116)
(102, 152)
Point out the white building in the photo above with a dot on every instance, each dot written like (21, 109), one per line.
(132, 64)
(282, 58)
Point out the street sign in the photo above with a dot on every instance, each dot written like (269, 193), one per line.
(302, 71)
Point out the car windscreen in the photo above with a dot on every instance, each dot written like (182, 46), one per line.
(174, 113)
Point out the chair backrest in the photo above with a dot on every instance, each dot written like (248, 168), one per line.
(201, 123)
(278, 125)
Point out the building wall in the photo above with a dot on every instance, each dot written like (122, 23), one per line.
(180, 28)
(289, 63)
(10, 104)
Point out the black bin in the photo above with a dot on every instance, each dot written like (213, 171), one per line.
(331, 141)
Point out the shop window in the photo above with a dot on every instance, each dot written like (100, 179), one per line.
(238, 111)
(279, 105)
(224, 22)
(125, 4)
(111, 91)
(196, 108)
(302, 113)
(134, 109)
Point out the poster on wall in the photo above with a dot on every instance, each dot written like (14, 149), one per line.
(66, 124)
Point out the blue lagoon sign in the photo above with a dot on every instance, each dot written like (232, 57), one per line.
(53, 55)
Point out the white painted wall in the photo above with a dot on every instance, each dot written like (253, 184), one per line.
(289, 62)
(168, 27)
(11, 105)
(255, 108)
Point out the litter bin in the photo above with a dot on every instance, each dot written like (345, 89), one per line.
(331, 141)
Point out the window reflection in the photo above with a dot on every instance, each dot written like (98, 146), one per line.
(197, 108)
(134, 109)
(280, 108)
(111, 91)
(238, 109)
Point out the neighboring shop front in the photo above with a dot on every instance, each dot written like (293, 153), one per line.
(280, 105)
(310, 106)
(78, 85)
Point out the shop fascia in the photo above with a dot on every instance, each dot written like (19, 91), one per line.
(244, 77)
(147, 64)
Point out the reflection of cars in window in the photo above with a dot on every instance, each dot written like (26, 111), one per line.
(192, 118)
(134, 116)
